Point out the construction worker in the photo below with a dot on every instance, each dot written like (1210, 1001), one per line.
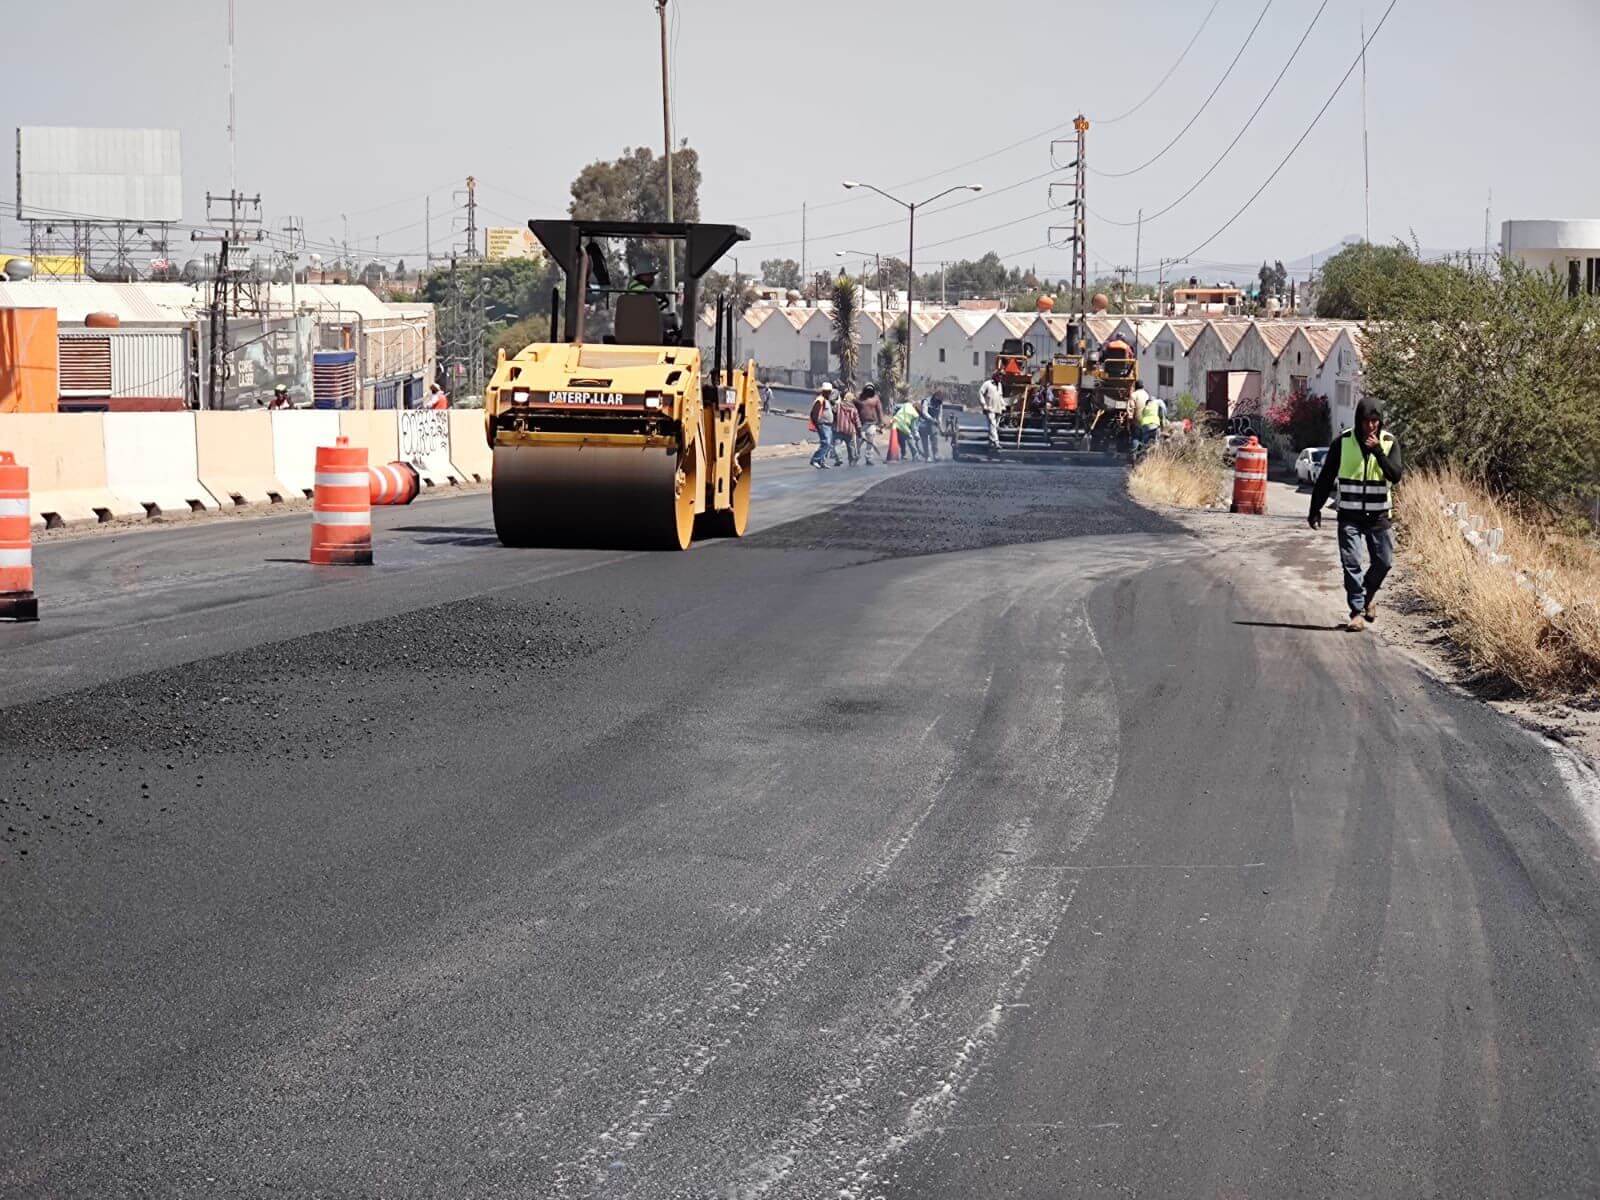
(905, 429)
(1151, 412)
(822, 422)
(928, 426)
(644, 280)
(993, 402)
(1363, 464)
(871, 410)
(280, 397)
(437, 397)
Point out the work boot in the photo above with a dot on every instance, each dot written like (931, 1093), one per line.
(1370, 612)
(1356, 625)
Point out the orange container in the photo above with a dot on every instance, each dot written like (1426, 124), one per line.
(341, 506)
(29, 374)
(1250, 479)
(1067, 398)
(17, 600)
(396, 483)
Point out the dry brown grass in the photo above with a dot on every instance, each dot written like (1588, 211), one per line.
(1186, 472)
(1499, 625)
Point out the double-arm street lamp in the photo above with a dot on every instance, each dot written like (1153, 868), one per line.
(911, 249)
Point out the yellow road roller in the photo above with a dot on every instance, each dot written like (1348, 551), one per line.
(624, 432)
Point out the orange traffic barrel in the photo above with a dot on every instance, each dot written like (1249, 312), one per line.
(395, 483)
(17, 600)
(341, 506)
(1067, 398)
(1250, 479)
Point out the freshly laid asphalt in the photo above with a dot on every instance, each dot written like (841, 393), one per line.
(961, 832)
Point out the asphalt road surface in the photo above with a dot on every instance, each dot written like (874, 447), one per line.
(972, 834)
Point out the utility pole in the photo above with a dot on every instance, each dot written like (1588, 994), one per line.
(1122, 288)
(427, 232)
(1366, 161)
(1487, 209)
(805, 280)
(233, 144)
(1138, 240)
(472, 219)
(1080, 253)
(666, 126)
(241, 226)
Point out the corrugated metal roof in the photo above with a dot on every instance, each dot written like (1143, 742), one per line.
(1017, 323)
(1101, 328)
(1231, 332)
(166, 303)
(135, 303)
(1276, 334)
(1322, 338)
(756, 316)
(1184, 332)
(969, 321)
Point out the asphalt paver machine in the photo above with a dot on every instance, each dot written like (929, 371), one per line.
(635, 436)
(1044, 415)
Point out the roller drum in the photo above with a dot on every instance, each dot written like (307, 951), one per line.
(591, 496)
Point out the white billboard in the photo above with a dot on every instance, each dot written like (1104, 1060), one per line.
(99, 174)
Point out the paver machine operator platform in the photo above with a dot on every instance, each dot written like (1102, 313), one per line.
(624, 432)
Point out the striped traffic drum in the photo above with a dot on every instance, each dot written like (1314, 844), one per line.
(17, 600)
(1250, 479)
(341, 506)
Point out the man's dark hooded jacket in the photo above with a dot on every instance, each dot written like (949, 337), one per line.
(1328, 481)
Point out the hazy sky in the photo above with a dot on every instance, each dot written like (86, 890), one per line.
(363, 107)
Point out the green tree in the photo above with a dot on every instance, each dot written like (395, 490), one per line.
(1273, 280)
(846, 342)
(514, 338)
(780, 272)
(1363, 280)
(1495, 374)
(633, 187)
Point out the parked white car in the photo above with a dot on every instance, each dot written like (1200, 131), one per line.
(1309, 465)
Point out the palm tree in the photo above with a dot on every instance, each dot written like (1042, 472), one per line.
(845, 304)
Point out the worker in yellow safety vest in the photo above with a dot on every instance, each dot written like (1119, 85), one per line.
(1150, 410)
(1363, 464)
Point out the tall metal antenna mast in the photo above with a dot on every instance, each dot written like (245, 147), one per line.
(233, 142)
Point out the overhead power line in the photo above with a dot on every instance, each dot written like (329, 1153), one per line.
(1356, 62)
(1242, 131)
(1178, 137)
(1163, 80)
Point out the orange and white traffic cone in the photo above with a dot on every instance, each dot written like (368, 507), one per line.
(341, 506)
(893, 454)
(395, 483)
(17, 600)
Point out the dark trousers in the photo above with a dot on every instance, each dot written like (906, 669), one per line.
(1360, 588)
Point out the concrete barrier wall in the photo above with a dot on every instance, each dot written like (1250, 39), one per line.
(66, 459)
(234, 450)
(379, 432)
(295, 438)
(425, 444)
(152, 462)
(469, 451)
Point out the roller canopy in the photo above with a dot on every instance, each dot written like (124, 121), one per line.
(704, 243)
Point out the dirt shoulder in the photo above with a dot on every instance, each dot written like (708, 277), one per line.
(1305, 562)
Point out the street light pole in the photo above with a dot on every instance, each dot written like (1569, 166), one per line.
(911, 251)
(666, 126)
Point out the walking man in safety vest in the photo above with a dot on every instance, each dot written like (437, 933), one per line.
(1149, 412)
(1363, 464)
